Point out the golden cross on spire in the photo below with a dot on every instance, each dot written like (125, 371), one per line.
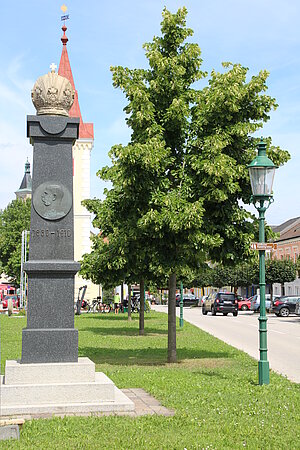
(63, 8)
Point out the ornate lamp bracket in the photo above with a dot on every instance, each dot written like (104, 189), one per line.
(262, 203)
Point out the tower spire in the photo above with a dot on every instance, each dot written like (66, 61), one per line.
(25, 188)
(86, 130)
(64, 39)
(27, 166)
(64, 66)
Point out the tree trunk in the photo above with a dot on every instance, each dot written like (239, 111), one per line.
(129, 302)
(142, 308)
(172, 357)
(271, 293)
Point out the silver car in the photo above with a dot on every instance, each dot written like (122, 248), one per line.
(255, 302)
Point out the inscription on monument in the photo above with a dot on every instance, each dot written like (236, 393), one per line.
(45, 233)
(52, 201)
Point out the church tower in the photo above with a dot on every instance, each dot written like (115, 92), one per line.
(81, 176)
(25, 188)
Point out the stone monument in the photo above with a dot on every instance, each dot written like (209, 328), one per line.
(50, 335)
(50, 378)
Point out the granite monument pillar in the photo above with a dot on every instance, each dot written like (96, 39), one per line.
(50, 335)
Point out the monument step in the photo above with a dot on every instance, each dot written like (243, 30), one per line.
(121, 403)
(45, 373)
(101, 390)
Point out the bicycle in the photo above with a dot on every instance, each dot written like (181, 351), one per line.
(98, 306)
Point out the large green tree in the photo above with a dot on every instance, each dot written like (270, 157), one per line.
(178, 186)
(280, 271)
(13, 220)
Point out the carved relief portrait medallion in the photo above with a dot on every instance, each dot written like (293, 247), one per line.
(52, 201)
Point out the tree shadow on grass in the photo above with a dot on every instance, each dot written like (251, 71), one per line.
(119, 317)
(122, 331)
(143, 356)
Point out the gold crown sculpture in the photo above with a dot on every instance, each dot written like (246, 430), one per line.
(52, 94)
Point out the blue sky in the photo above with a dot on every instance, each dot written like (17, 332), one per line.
(260, 34)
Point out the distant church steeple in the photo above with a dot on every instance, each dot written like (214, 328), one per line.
(86, 130)
(81, 170)
(25, 188)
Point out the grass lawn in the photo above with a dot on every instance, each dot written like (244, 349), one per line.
(213, 390)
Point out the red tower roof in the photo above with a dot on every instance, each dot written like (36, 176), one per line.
(86, 130)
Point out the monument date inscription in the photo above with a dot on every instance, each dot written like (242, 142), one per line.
(46, 233)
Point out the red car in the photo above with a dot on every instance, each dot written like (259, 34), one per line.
(15, 300)
(244, 304)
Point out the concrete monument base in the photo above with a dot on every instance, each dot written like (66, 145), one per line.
(59, 388)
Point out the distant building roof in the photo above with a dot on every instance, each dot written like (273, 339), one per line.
(288, 230)
(86, 130)
(279, 228)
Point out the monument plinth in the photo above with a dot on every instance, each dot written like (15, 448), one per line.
(50, 378)
(50, 335)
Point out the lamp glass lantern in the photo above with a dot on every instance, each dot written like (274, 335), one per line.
(262, 171)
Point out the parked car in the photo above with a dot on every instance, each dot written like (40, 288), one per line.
(15, 299)
(188, 300)
(297, 309)
(244, 304)
(202, 300)
(221, 302)
(255, 302)
(286, 305)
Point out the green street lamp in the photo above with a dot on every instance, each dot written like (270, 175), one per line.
(181, 305)
(262, 171)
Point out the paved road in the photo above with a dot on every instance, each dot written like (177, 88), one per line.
(242, 332)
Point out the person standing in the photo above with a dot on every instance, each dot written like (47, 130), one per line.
(116, 302)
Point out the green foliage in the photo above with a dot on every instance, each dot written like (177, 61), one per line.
(280, 271)
(247, 273)
(213, 383)
(298, 265)
(108, 296)
(203, 276)
(226, 114)
(13, 220)
(242, 274)
(178, 186)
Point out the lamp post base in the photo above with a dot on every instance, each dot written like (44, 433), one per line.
(263, 372)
